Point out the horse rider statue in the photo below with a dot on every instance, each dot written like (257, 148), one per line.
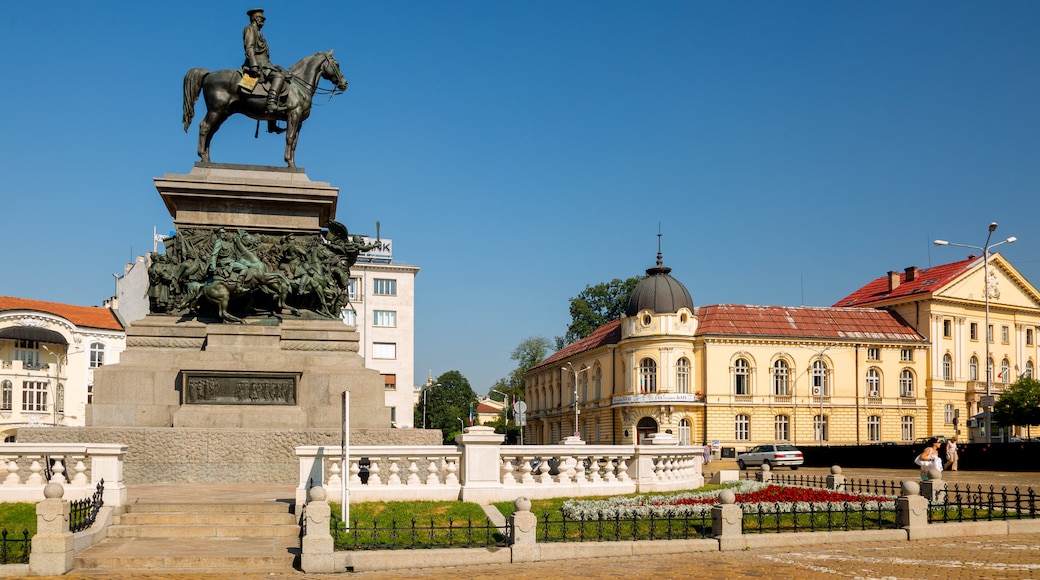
(258, 60)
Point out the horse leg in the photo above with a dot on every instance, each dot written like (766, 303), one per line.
(207, 127)
(292, 136)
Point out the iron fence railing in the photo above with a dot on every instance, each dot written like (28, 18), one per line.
(85, 511)
(14, 548)
(765, 518)
(415, 535)
(616, 529)
(979, 503)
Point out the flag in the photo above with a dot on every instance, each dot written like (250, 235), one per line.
(471, 415)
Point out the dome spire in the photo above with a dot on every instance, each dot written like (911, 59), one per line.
(660, 268)
(658, 292)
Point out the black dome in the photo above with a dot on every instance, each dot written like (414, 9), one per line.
(659, 292)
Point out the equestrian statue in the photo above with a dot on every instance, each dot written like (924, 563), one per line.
(260, 90)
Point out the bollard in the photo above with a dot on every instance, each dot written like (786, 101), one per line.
(765, 474)
(836, 481)
(317, 554)
(53, 546)
(911, 508)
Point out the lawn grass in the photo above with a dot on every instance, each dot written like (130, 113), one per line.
(15, 517)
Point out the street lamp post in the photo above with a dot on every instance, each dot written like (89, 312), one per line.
(985, 249)
(576, 372)
(57, 382)
(506, 400)
(425, 389)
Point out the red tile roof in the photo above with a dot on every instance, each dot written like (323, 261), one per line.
(803, 322)
(769, 321)
(485, 409)
(84, 316)
(925, 282)
(609, 333)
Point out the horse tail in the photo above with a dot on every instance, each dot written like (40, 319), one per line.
(192, 88)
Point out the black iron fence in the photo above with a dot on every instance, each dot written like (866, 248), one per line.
(416, 535)
(979, 503)
(616, 529)
(85, 511)
(764, 518)
(14, 548)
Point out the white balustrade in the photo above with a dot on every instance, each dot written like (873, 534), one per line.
(386, 473)
(25, 464)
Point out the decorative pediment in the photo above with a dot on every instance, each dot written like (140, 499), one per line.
(1005, 285)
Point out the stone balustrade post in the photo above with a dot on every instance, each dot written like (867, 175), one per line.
(727, 521)
(481, 462)
(106, 462)
(317, 553)
(765, 474)
(53, 546)
(911, 508)
(836, 481)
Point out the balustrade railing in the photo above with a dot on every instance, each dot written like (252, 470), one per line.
(79, 467)
(484, 470)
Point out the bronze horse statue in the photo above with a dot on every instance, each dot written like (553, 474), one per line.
(223, 98)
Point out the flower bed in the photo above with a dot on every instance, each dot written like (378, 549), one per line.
(753, 497)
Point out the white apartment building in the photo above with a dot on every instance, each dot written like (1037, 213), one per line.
(383, 302)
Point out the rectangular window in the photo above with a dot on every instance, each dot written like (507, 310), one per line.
(384, 350)
(97, 355)
(27, 351)
(1029, 337)
(907, 428)
(393, 416)
(906, 355)
(384, 287)
(353, 285)
(8, 396)
(973, 330)
(90, 393)
(782, 428)
(947, 328)
(349, 316)
(873, 353)
(34, 396)
(873, 428)
(1005, 334)
(989, 333)
(384, 318)
(390, 382)
(820, 427)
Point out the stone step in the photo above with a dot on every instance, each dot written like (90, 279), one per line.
(188, 555)
(212, 518)
(275, 507)
(203, 531)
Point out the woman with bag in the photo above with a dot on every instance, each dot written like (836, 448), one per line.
(929, 458)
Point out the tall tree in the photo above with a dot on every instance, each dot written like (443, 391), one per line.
(446, 401)
(529, 352)
(596, 306)
(1019, 404)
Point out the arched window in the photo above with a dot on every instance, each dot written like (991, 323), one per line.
(873, 428)
(906, 383)
(742, 424)
(782, 428)
(7, 401)
(741, 377)
(781, 373)
(684, 431)
(820, 427)
(1029, 369)
(873, 382)
(947, 367)
(597, 382)
(1005, 371)
(682, 375)
(973, 368)
(647, 376)
(819, 379)
(97, 355)
(585, 386)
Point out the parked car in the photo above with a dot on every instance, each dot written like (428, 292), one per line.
(771, 455)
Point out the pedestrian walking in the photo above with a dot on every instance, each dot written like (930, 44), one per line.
(951, 454)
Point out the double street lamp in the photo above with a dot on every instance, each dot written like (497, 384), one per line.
(576, 372)
(985, 249)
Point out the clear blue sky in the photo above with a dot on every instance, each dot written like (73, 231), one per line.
(518, 151)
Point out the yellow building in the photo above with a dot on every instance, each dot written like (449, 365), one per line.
(947, 304)
(740, 375)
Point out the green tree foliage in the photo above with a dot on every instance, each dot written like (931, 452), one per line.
(1019, 404)
(596, 306)
(529, 352)
(447, 400)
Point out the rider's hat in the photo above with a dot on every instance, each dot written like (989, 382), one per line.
(250, 13)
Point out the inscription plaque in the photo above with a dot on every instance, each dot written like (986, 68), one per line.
(234, 388)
